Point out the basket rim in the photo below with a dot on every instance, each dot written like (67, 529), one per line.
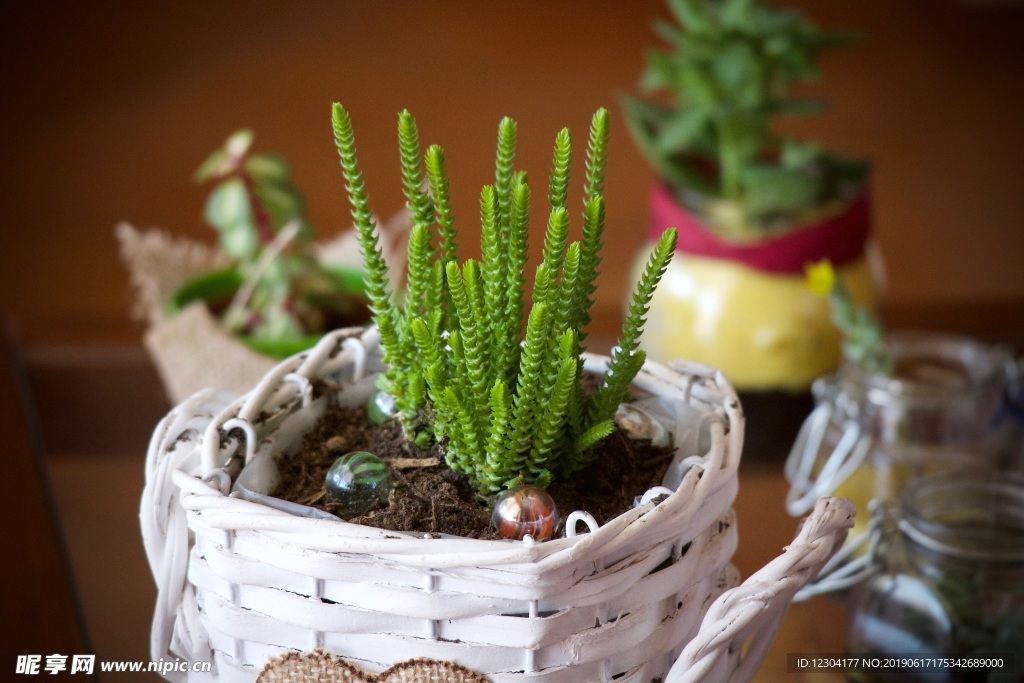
(207, 492)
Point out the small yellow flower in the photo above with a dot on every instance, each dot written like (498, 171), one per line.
(821, 277)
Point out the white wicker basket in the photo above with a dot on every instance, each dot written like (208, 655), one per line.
(243, 578)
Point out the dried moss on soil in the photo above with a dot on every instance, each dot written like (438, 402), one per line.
(434, 499)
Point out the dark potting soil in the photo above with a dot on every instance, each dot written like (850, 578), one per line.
(431, 498)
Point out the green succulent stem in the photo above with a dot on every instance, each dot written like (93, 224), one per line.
(558, 186)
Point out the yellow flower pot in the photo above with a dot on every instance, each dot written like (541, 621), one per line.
(765, 331)
(742, 305)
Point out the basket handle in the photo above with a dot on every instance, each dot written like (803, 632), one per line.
(750, 613)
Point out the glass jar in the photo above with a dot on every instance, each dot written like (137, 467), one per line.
(951, 581)
(948, 404)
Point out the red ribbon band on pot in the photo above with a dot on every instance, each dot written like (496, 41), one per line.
(840, 238)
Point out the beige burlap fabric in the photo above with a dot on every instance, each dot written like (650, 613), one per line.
(320, 666)
(190, 350)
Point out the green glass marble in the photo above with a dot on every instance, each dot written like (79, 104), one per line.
(357, 483)
(381, 407)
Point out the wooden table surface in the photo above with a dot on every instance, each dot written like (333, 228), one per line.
(39, 609)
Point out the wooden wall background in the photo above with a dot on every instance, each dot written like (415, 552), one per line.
(108, 108)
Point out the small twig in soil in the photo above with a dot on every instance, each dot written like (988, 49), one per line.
(335, 444)
(413, 463)
(315, 497)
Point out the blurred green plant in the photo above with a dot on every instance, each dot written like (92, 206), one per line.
(509, 410)
(260, 216)
(727, 74)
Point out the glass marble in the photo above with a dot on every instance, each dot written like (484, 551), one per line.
(639, 425)
(525, 510)
(358, 482)
(381, 407)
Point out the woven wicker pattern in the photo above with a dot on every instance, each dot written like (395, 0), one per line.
(749, 614)
(621, 600)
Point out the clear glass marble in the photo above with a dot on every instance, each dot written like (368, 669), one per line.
(357, 483)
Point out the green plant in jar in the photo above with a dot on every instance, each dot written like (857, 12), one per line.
(466, 362)
(949, 581)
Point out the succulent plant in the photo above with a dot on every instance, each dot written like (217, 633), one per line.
(727, 74)
(505, 396)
